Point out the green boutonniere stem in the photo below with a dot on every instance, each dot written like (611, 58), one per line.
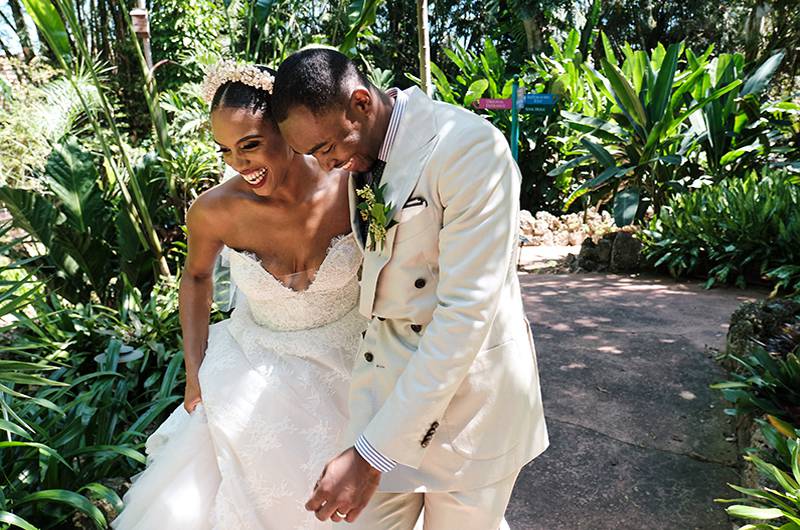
(375, 212)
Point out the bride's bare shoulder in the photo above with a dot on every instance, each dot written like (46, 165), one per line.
(215, 204)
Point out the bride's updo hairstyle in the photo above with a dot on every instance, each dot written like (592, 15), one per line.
(236, 85)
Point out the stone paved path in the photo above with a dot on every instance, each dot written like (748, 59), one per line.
(637, 439)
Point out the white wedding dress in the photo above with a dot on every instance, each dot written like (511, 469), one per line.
(274, 385)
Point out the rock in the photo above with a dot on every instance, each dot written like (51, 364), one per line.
(575, 238)
(545, 216)
(604, 249)
(763, 321)
(526, 224)
(587, 257)
(625, 253)
(540, 227)
(544, 228)
(561, 238)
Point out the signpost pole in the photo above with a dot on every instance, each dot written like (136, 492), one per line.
(514, 140)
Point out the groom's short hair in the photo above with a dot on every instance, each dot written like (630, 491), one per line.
(317, 78)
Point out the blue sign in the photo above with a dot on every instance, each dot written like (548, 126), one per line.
(540, 99)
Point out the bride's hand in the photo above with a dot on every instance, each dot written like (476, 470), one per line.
(191, 397)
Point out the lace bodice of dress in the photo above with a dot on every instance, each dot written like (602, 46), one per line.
(333, 293)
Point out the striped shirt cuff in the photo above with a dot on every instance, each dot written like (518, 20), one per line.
(373, 457)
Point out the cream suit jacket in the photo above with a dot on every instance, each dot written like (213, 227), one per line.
(445, 381)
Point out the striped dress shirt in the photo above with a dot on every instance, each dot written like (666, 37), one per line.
(364, 448)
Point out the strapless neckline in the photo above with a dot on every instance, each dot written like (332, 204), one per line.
(335, 242)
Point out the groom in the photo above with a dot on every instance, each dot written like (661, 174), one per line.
(445, 405)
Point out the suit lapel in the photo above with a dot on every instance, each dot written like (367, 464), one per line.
(413, 145)
(412, 148)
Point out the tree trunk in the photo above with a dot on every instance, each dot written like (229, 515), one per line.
(423, 32)
(103, 46)
(755, 29)
(22, 30)
(533, 34)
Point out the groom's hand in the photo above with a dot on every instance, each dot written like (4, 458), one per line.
(344, 489)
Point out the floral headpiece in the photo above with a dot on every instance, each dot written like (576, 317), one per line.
(231, 71)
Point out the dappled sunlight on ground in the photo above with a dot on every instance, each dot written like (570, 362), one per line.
(625, 365)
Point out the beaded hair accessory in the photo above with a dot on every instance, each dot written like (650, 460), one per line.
(231, 71)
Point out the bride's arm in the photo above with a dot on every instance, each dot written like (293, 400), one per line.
(196, 288)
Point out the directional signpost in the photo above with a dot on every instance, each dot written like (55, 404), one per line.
(541, 104)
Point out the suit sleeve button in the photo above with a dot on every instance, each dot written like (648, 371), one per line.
(420, 283)
(435, 425)
(416, 328)
(368, 356)
(425, 443)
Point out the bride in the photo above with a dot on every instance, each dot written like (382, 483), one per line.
(266, 391)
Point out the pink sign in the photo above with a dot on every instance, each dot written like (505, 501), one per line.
(493, 103)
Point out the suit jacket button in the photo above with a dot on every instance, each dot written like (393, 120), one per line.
(363, 334)
(381, 319)
(416, 328)
(368, 356)
(420, 283)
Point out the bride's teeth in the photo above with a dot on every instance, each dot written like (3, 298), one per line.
(255, 177)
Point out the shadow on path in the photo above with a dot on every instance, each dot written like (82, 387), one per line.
(637, 439)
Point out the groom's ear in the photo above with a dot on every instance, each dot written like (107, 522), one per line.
(361, 102)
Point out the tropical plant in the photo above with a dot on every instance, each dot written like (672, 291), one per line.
(779, 504)
(53, 19)
(560, 73)
(738, 230)
(738, 130)
(193, 164)
(767, 384)
(486, 75)
(88, 242)
(779, 435)
(180, 30)
(104, 380)
(38, 118)
(642, 151)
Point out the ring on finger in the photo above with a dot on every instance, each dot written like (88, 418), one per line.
(340, 514)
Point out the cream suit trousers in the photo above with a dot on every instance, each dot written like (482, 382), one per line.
(479, 509)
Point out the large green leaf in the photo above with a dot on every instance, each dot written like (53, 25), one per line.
(13, 428)
(569, 165)
(749, 512)
(608, 49)
(660, 96)
(605, 176)
(600, 128)
(599, 152)
(442, 84)
(261, 11)
(757, 82)
(475, 91)
(700, 104)
(16, 520)
(626, 96)
(626, 204)
(69, 498)
(71, 174)
(30, 211)
(50, 24)
(107, 494)
(366, 16)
